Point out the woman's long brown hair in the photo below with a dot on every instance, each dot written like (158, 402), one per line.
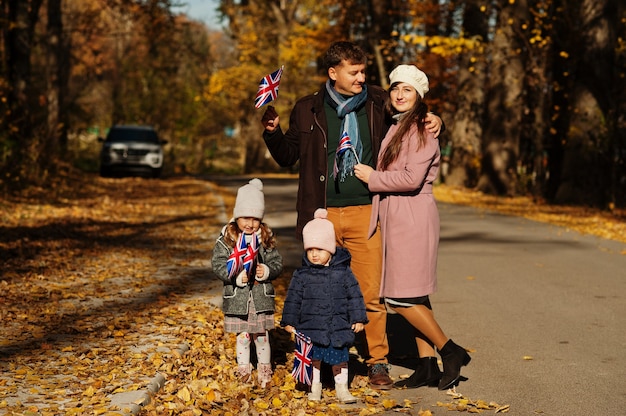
(414, 116)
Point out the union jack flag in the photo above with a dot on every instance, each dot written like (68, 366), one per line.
(268, 88)
(344, 144)
(251, 252)
(302, 361)
(235, 260)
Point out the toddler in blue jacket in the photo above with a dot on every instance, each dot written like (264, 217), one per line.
(324, 302)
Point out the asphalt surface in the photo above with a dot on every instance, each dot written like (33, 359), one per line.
(541, 308)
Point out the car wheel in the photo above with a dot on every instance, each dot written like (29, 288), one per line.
(156, 172)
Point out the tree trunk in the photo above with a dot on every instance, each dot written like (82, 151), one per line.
(57, 71)
(466, 127)
(22, 16)
(380, 29)
(504, 104)
(588, 154)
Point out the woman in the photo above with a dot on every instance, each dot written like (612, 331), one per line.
(404, 206)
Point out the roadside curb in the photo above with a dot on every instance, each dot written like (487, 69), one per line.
(132, 402)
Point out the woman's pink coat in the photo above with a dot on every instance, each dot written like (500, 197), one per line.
(405, 208)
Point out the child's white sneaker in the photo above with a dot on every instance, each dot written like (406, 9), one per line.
(343, 394)
(316, 392)
(264, 374)
(244, 372)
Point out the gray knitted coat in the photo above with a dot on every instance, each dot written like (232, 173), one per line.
(235, 299)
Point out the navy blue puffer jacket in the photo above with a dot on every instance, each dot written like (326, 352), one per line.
(324, 302)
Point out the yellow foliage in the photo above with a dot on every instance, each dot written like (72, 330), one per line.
(443, 45)
(261, 404)
(203, 378)
(184, 395)
(389, 404)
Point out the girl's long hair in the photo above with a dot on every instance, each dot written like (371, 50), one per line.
(232, 231)
(415, 116)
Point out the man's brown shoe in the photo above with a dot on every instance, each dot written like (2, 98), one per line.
(379, 377)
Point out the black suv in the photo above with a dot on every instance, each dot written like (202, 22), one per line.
(131, 150)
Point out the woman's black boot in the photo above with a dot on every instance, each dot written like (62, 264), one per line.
(453, 357)
(426, 373)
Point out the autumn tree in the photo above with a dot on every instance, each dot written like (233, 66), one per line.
(504, 102)
(466, 125)
(531, 91)
(268, 35)
(585, 163)
(71, 65)
(19, 20)
(57, 79)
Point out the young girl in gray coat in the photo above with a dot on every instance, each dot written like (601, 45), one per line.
(246, 259)
(324, 302)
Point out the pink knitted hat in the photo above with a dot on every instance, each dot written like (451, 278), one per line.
(319, 232)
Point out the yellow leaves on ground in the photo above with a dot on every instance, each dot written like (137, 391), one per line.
(105, 283)
(88, 292)
(89, 392)
(605, 224)
(463, 404)
(205, 379)
(184, 395)
(389, 404)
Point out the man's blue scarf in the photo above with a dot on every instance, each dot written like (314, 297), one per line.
(346, 110)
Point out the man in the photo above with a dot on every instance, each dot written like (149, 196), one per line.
(347, 108)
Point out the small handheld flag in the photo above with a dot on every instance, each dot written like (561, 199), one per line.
(344, 144)
(243, 256)
(268, 88)
(236, 258)
(250, 257)
(302, 359)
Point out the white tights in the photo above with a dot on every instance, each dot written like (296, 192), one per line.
(262, 344)
(340, 375)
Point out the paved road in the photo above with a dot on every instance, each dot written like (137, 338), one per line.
(543, 309)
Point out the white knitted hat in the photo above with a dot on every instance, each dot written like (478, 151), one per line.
(412, 76)
(319, 232)
(250, 200)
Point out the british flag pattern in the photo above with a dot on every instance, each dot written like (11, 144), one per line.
(268, 88)
(302, 362)
(344, 144)
(243, 256)
(251, 251)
